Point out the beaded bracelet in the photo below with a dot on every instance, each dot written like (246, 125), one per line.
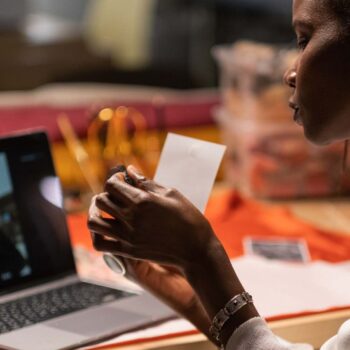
(235, 304)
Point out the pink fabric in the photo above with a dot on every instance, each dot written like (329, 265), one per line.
(172, 115)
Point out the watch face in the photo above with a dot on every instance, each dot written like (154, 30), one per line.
(114, 264)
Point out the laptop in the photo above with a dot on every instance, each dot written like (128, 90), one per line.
(43, 303)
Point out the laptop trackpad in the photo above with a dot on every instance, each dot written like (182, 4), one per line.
(101, 320)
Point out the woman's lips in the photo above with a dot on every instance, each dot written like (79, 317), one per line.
(297, 117)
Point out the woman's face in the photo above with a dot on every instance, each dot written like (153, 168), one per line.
(320, 78)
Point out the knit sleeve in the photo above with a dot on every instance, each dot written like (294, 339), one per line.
(255, 335)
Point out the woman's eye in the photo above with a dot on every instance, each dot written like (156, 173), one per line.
(302, 43)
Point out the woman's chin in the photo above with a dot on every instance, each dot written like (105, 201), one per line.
(324, 140)
(318, 138)
(322, 131)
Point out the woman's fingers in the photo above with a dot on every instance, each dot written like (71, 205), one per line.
(110, 228)
(114, 247)
(123, 192)
(104, 203)
(117, 248)
(142, 182)
(93, 210)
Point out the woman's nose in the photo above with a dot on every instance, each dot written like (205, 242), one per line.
(290, 78)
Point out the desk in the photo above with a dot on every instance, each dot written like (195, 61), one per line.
(315, 329)
(311, 329)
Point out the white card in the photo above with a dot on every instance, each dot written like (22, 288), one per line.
(292, 250)
(190, 166)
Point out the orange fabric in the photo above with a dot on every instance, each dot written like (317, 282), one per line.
(79, 233)
(233, 218)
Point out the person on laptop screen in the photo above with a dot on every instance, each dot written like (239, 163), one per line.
(13, 253)
(156, 227)
(11, 260)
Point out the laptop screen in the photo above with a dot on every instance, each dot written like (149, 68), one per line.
(34, 239)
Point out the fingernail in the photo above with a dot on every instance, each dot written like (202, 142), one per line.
(120, 168)
(120, 176)
(136, 173)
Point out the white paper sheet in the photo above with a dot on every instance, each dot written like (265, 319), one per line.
(282, 288)
(190, 166)
(278, 288)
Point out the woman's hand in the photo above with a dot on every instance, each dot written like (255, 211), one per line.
(151, 222)
(165, 282)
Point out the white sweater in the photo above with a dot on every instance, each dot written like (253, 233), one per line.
(255, 335)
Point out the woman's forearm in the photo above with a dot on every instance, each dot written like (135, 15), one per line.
(198, 316)
(215, 282)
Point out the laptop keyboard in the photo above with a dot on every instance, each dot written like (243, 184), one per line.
(54, 303)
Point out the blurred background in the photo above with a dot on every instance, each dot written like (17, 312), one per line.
(108, 79)
(150, 42)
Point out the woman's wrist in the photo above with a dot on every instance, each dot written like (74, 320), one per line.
(213, 278)
(243, 315)
(211, 275)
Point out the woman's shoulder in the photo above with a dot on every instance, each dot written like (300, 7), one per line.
(341, 341)
(344, 336)
(255, 334)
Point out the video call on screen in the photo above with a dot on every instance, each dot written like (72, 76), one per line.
(14, 261)
(34, 239)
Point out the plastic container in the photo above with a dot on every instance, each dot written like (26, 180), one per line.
(270, 160)
(268, 155)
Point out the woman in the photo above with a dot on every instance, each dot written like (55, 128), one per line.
(170, 248)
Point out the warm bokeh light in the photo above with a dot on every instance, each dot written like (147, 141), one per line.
(106, 114)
